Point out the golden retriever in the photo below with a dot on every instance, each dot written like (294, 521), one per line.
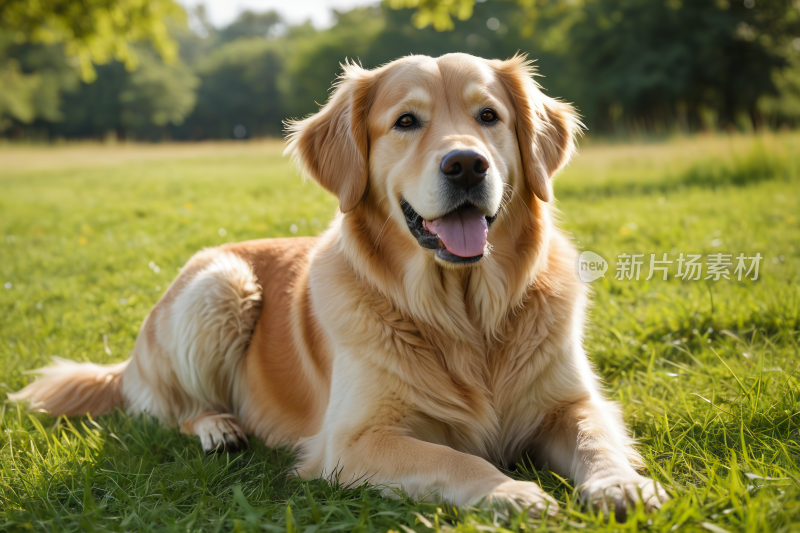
(431, 335)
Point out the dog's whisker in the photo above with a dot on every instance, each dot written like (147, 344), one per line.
(381, 232)
(515, 192)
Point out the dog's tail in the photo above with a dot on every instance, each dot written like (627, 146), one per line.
(75, 389)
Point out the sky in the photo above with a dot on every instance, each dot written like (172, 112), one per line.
(222, 12)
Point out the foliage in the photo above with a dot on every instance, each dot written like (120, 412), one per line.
(238, 87)
(93, 31)
(706, 373)
(644, 64)
(264, 25)
(18, 95)
(721, 65)
(316, 57)
(157, 94)
(786, 103)
(130, 104)
(437, 13)
(42, 39)
(32, 79)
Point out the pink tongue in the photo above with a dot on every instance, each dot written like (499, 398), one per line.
(463, 232)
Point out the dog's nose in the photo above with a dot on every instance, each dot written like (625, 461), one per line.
(465, 168)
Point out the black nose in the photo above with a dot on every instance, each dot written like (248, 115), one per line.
(465, 168)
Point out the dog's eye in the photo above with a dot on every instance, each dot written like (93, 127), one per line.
(406, 121)
(488, 116)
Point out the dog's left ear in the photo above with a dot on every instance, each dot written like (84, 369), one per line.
(332, 145)
(546, 128)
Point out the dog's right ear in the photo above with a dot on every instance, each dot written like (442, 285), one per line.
(332, 146)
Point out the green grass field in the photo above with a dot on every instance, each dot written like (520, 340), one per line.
(706, 371)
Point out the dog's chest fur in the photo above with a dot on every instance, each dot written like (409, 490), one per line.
(500, 378)
(454, 384)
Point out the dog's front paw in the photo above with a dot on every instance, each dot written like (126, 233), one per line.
(618, 491)
(219, 433)
(515, 496)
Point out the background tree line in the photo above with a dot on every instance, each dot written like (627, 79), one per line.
(646, 66)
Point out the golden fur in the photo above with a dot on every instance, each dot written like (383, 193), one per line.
(376, 357)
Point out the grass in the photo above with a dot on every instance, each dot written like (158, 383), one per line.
(706, 371)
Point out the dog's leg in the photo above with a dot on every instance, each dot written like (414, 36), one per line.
(186, 358)
(587, 441)
(218, 432)
(390, 458)
(188, 354)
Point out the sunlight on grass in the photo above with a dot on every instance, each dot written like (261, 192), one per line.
(706, 372)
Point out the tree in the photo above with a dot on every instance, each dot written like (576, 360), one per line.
(32, 80)
(157, 95)
(785, 106)
(139, 104)
(87, 31)
(250, 24)
(436, 13)
(313, 59)
(238, 91)
(648, 63)
(93, 31)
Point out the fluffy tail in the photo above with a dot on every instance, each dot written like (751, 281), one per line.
(74, 389)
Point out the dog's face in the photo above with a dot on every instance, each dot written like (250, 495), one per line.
(437, 143)
(442, 146)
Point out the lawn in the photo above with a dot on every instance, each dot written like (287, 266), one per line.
(706, 371)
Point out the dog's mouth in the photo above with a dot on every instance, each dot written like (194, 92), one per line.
(458, 237)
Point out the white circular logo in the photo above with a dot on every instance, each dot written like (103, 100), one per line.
(591, 266)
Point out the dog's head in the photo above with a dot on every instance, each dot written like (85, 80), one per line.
(436, 144)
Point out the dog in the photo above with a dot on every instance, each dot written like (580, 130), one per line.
(429, 337)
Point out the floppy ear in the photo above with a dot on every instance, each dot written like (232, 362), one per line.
(332, 146)
(546, 128)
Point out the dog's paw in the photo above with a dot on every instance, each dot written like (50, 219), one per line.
(616, 492)
(220, 433)
(515, 496)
